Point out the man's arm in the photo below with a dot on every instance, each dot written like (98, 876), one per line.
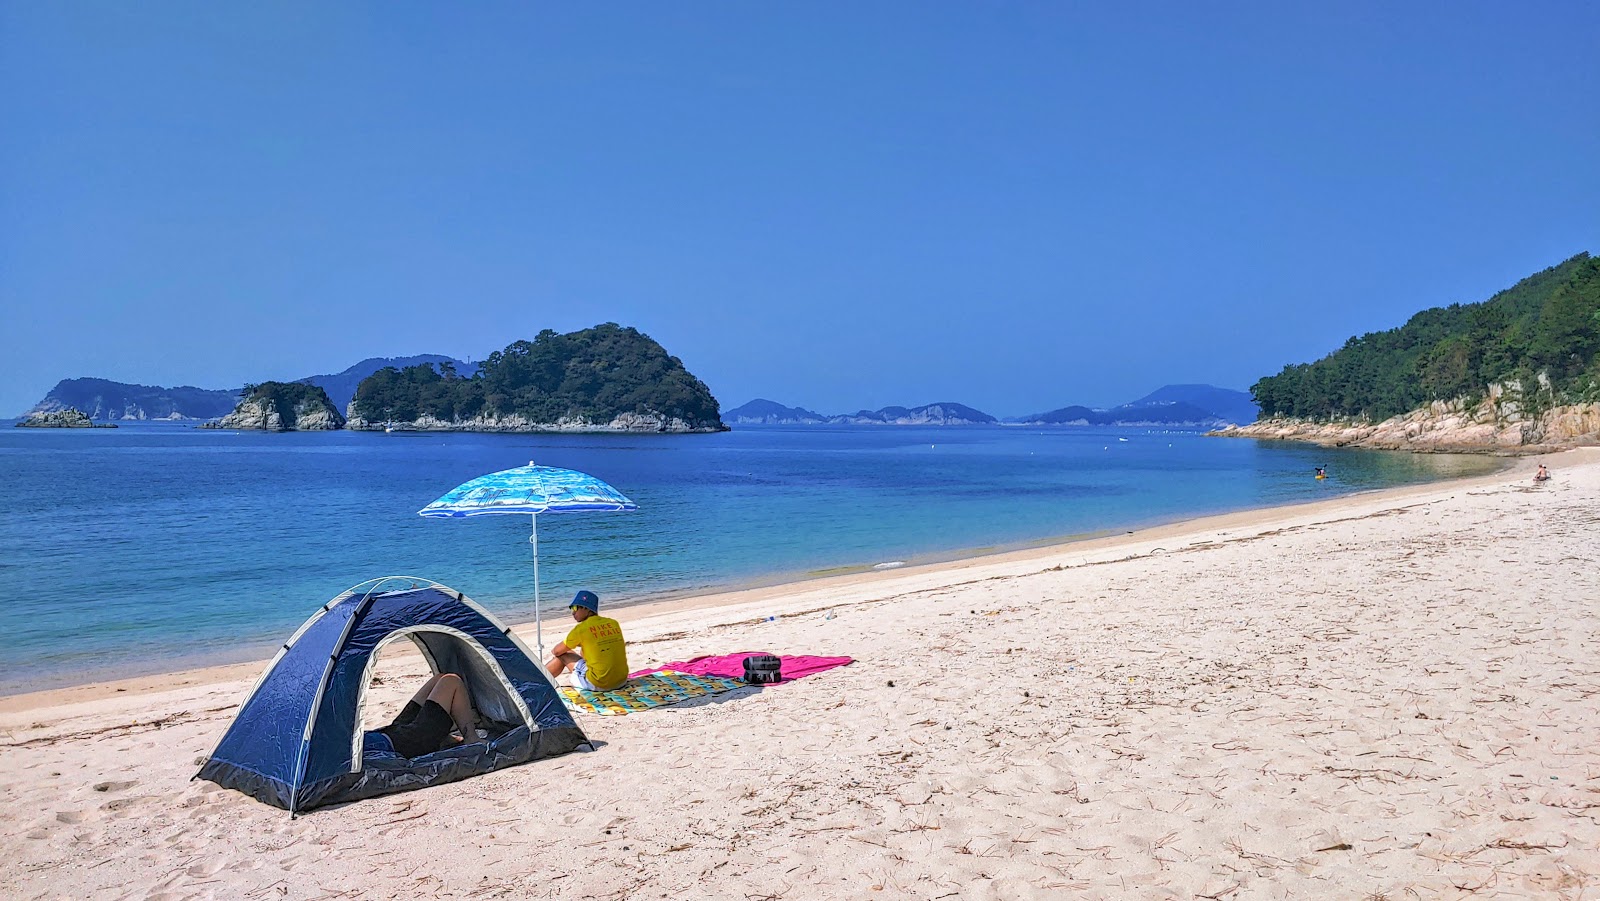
(559, 649)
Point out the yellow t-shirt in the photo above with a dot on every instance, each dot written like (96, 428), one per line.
(599, 640)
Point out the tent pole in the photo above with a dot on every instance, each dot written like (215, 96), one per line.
(538, 621)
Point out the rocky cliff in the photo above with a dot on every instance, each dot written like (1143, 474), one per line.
(1500, 423)
(282, 407)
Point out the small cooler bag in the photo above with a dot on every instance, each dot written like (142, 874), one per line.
(763, 669)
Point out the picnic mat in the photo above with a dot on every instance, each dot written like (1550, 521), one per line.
(732, 665)
(657, 689)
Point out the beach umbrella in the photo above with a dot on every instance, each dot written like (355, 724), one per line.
(530, 490)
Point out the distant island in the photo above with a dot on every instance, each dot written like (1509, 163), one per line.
(1171, 406)
(282, 407)
(1519, 372)
(70, 418)
(602, 379)
(103, 399)
(766, 412)
(1193, 406)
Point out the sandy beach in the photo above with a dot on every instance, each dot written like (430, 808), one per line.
(1389, 695)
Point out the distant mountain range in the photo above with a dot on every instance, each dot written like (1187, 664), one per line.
(103, 399)
(766, 412)
(1226, 403)
(1172, 405)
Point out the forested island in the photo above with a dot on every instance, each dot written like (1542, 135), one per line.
(606, 378)
(1519, 370)
(282, 407)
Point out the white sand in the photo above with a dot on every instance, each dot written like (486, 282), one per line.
(1394, 695)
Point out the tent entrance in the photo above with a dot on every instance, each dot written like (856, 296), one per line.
(443, 650)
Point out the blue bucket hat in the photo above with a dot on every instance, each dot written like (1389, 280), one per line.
(586, 599)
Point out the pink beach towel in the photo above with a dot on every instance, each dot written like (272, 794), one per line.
(732, 666)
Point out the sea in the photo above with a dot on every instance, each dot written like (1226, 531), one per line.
(155, 547)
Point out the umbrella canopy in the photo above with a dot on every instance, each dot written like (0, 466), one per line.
(530, 490)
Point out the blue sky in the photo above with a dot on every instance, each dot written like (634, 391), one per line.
(1011, 205)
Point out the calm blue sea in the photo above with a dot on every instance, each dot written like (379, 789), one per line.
(157, 546)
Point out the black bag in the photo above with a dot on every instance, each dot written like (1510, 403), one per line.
(763, 669)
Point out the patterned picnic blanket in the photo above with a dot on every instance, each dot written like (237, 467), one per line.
(660, 689)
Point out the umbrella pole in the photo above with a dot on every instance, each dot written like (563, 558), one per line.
(538, 617)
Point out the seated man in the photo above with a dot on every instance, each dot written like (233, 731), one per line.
(423, 726)
(594, 655)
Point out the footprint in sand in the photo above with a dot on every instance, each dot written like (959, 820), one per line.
(114, 786)
(121, 803)
(69, 816)
(209, 868)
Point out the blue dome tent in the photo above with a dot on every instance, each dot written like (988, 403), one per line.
(296, 741)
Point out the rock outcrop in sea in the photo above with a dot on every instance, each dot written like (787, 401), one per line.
(1500, 423)
(70, 418)
(282, 407)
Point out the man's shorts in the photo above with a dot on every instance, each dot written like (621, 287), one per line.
(580, 676)
(421, 732)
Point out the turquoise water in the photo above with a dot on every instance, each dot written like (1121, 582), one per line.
(158, 546)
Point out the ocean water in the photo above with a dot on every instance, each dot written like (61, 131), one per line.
(158, 546)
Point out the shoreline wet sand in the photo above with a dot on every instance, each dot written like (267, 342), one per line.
(1381, 693)
(842, 578)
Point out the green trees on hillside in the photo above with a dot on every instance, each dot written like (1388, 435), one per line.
(594, 374)
(284, 397)
(1546, 324)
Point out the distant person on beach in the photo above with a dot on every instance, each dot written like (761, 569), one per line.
(1543, 475)
(594, 655)
(424, 724)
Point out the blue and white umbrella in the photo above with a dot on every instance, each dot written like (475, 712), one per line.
(530, 490)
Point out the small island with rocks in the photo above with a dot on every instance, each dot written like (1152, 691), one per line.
(282, 407)
(70, 418)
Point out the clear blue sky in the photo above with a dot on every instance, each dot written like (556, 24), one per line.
(1011, 205)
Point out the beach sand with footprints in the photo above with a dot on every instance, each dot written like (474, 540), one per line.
(1387, 695)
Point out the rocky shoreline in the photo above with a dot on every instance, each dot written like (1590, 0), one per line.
(70, 418)
(1498, 424)
(630, 423)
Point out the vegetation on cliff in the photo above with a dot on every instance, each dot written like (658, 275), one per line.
(593, 375)
(1546, 325)
(290, 401)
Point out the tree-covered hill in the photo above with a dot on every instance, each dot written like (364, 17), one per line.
(592, 376)
(1547, 325)
(341, 386)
